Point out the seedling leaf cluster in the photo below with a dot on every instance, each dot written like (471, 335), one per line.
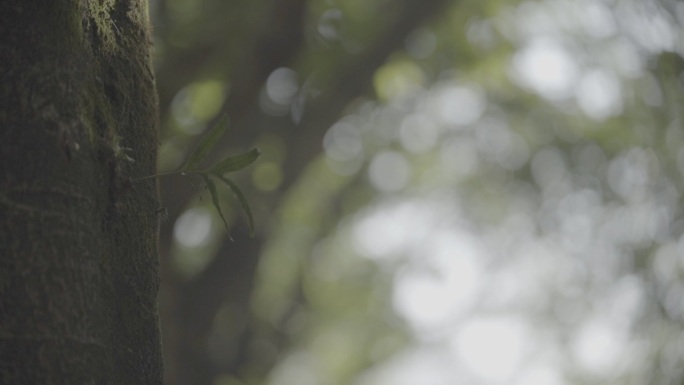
(219, 170)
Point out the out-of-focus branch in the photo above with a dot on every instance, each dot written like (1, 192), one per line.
(278, 39)
(230, 275)
(281, 42)
(355, 79)
(188, 309)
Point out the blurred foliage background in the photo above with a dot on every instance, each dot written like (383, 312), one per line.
(450, 192)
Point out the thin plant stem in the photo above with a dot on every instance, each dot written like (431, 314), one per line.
(156, 175)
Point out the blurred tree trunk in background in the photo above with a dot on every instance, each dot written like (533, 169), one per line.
(189, 306)
(78, 241)
(550, 130)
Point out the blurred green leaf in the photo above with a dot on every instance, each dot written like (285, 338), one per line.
(214, 196)
(243, 202)
(235, 163)
(207, 143)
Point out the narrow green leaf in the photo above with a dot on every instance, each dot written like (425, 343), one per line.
(214, 196)
(243, 202)
(207, 142)
(234, 163)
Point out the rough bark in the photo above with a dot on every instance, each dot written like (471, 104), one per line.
(78, 241)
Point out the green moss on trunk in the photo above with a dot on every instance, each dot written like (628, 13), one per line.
(78, 244)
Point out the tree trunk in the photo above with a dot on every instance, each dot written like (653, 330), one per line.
(78, 239)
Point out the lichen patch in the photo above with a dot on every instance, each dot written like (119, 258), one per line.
(99, 17)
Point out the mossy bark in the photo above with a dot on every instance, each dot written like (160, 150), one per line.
(78, 241)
